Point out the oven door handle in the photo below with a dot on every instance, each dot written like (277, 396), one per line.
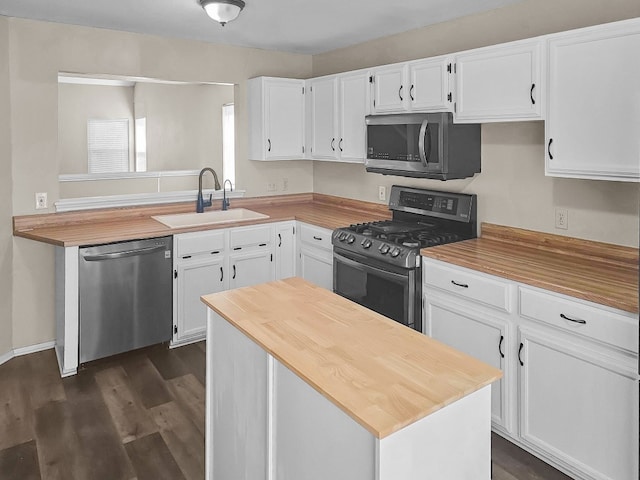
(377, 271)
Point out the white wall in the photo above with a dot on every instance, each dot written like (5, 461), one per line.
(6, 244)
(77, 104)
(512, 189)
(38, 51)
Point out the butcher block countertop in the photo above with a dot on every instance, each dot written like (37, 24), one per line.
(119, 224)
(379, 372)
(598, 272)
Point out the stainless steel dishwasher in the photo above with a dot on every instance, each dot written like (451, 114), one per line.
(125, 296)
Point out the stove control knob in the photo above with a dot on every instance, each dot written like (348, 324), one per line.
(366, 243)
(351, 238)
(342, 236)
(395, 252)
(384, 249)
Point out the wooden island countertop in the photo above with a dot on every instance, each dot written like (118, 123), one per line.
(382, 374)
(598, 272)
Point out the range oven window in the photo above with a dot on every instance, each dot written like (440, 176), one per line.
(390, 293)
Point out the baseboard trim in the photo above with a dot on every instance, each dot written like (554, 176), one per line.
(5, 357)
(18, 352)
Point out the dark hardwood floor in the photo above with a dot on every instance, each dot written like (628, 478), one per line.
(138, 415)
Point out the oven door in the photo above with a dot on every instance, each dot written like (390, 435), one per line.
(391, 291)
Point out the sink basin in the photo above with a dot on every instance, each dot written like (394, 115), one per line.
(183, 220)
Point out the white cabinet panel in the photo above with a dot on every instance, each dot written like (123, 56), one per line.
(285, 245)
(429, 85)
(237, 405)
(593, 119)
(579, 408)
(196, 278)
(323, 94)
(477, 335)
(251, 267)
(353, 106)
(276, 118)
(499, 83)
(390, 92)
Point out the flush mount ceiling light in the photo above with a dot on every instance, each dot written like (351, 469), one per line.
(222, 11)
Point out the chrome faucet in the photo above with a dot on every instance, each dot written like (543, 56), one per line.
(200, 204)
(225, 200)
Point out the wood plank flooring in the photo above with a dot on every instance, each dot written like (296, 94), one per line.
(138, 415)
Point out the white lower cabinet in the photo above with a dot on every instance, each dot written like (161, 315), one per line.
(578, 405)
(316, 255)
(216, 260)
(285, 247)
(198, 269)
(480, 335)
(569, 393)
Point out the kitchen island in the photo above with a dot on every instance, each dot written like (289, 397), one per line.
(302, 383)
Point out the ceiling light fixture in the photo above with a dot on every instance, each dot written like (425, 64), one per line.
(222, 11)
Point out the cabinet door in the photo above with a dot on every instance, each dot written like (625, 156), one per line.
(251, 267)
(389, 89)
(316, 266)
(479, 336)
(284, 117)
(577, 407)
(593, 118)
(353, 107)
(285, 243)
(498, 84)
(323, 104)
(429, 85)
(196, 277)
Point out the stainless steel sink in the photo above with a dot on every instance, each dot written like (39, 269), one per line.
(184, 220)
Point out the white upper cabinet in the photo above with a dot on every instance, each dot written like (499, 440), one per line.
(337, 105)
(354, 98)
(593, 112)
(323, 103)
(429, 87)
(276, 118)
(390, 91)
(500, 83)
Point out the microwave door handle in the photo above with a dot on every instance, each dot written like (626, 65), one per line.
(424, 130)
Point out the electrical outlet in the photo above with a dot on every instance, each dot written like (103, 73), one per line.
(41, 200)
(382, 192)
(285, 184)
(562, 218)
(272, 187)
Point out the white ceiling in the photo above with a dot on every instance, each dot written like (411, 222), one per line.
(298, 26)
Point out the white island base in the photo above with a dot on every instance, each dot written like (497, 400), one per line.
(265, 422)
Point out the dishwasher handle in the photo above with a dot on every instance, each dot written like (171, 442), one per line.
(123, 254)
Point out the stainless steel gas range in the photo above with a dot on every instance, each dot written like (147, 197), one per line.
(378, 264)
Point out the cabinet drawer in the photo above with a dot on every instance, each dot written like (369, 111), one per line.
(588, 320)
(316, 236)
(469, 285)
(249, 236)
(199, 242)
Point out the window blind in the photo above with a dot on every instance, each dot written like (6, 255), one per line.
(108, 145)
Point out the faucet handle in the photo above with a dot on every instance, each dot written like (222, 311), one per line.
(209, 202)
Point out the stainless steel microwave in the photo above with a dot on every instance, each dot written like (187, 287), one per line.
(427, 145)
